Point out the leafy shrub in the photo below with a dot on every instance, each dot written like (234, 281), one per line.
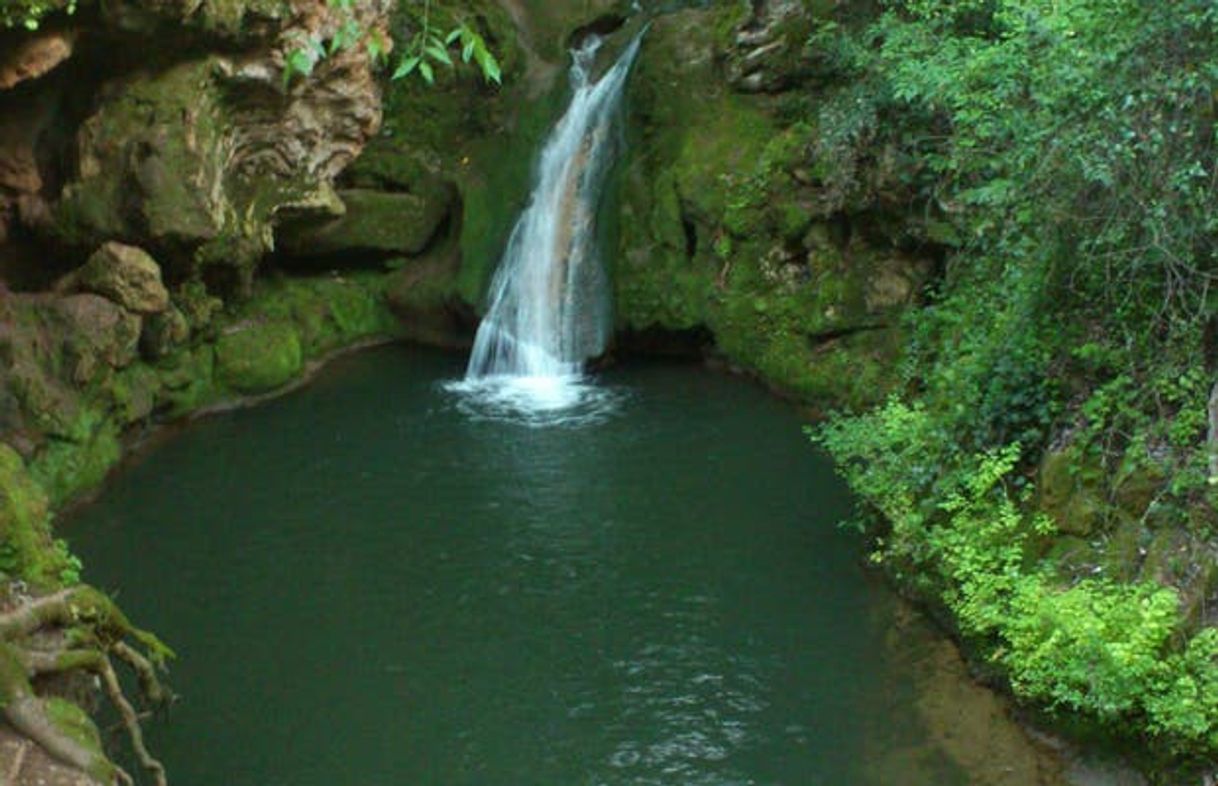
(30, 13)
(1101, 648)
(424, 51)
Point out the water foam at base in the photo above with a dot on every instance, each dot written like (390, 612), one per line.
(570, 400)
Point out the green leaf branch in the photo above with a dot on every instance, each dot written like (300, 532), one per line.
(430, 48)
(426, 51)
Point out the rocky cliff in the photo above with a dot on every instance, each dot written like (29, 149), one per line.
(742, 222)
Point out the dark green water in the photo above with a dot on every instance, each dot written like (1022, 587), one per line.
(369, 587)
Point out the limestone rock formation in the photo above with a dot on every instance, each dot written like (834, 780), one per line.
(194, 157)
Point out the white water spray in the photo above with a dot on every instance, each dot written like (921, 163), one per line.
(549, 301)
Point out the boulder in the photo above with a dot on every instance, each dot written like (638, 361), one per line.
(125, 274)
(375, 222)
(97, 331)
(259, 357)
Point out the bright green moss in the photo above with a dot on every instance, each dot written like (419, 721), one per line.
(69, 467)
(27, 549)
(259, 357)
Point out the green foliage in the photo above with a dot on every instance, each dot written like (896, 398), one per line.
(27, 549)
(28, 14)
(958, 529)
(1063, 153)
(71, 566)
(1096, 646)
(429, 49)
(426, 50)
(1078, 133)
(1188, 700)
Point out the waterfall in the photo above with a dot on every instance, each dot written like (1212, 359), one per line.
(549, 301)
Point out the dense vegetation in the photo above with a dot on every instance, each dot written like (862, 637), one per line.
(1052, 422)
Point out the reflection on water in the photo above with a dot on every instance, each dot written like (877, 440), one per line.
(371, 583)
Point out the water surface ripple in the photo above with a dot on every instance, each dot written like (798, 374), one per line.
(369, 586)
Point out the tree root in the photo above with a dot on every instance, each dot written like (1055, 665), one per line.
(18, 762)
(90, 630)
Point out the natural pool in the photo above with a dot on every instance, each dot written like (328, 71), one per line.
(369, 585)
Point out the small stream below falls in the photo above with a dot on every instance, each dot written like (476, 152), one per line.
(369, 585)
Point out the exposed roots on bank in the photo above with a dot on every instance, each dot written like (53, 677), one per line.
(78, 630)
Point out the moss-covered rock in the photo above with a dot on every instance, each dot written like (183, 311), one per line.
(258, 357)
(188, 381)
(27, 549)
(163, 333)
(69, 467)
(198, 156)
(375, 223)
(422, 295)
(721, 229)
(1069, 494)
(153, 161)
(327, 312)
(98, 334)
(134, 393)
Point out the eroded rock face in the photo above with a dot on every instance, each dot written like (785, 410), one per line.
(317, 126)
(26, 117)
(195, 161)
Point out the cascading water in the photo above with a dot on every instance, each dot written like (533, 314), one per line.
(549, 302)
